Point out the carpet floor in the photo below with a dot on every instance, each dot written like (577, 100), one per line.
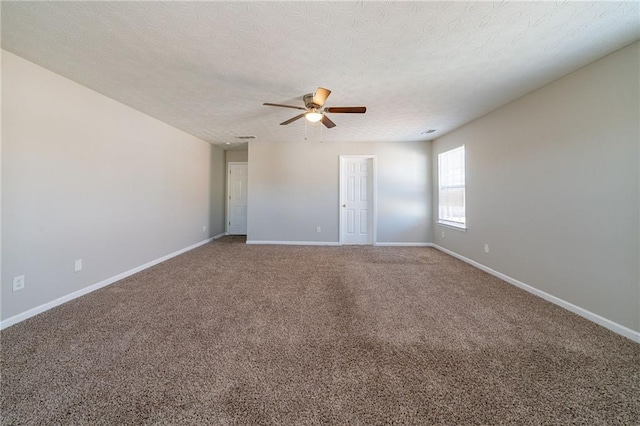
(231, 333)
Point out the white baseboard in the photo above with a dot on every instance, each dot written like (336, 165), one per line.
(296, 243)
(606, 323)
(404, 244)
(59, 301)
(335, 243)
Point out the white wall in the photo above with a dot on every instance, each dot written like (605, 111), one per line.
(85, 177)
(553, 188)
(293, 188)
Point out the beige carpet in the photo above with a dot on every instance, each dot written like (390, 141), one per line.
(237, 334)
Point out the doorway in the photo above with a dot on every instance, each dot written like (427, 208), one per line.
(237, 180)
(357, 199)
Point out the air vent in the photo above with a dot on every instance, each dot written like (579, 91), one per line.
(245, 137)
(428, 131)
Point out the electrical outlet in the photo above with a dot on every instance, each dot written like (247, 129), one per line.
(204, 229)
(486, 248)
(77, 267)
(318, 229)
(18, 283)
(443, 234)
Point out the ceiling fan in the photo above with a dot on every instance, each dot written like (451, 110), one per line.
(314, 111)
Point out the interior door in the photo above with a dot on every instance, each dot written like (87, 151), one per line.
(237, 200)
(356, 201)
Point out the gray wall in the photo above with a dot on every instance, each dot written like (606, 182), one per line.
(85, 177)
(218, 188)
(237, 156)
(293, 188)
(553, 188)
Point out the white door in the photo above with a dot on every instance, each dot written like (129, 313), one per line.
(356, 194)
(237, 200)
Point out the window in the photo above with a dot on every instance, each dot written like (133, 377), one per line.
(451, 203)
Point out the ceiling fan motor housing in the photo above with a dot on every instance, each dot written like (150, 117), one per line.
(308, 102)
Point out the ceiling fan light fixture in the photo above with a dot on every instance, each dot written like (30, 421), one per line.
(313, 116)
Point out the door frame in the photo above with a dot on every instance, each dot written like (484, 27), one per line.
(374, 197)
(227, 194)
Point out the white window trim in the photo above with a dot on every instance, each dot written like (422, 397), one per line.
(452, 225)
(458, 226)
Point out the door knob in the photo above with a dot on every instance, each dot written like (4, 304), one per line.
(344, 205)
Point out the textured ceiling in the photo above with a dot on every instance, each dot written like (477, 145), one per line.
(207, 67)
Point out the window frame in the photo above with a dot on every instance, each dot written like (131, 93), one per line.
(462, 226)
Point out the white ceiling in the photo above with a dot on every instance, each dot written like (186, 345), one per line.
(207, 67)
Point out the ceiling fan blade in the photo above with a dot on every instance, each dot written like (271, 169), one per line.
(321, 95)
(347, 110)
(328, 123)
(291, 120)
(284, 106)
